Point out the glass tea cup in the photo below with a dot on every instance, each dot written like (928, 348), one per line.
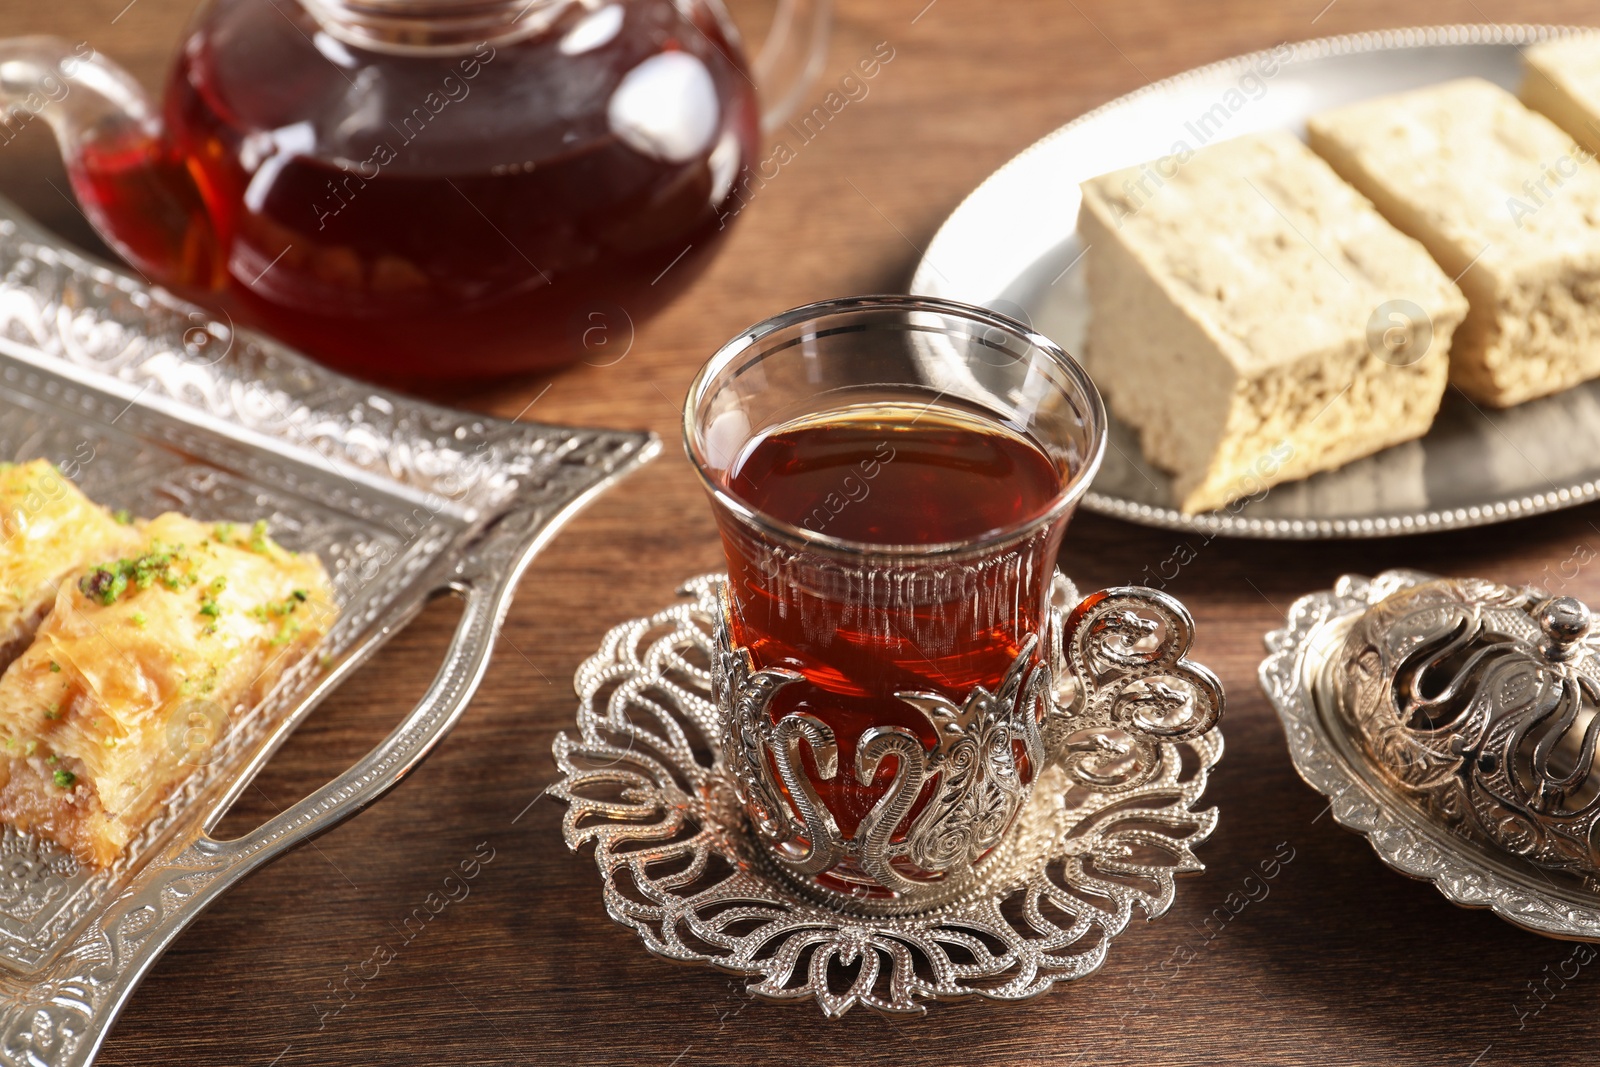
(891, 477)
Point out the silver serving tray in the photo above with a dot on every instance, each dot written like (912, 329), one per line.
(1013, 246)
(151, 405)
(1471, 873)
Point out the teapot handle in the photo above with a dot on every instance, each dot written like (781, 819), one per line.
(102, 118)
(791, 57)
(81, 94)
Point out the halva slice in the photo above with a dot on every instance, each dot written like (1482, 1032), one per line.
(1256, 319)
(1480, 180)
(1562, 82)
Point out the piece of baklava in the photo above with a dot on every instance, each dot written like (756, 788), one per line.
(48, 531)
(145, 662)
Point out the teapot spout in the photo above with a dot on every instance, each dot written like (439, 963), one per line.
(135, 192)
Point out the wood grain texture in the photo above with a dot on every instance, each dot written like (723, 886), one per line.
(1341, 962)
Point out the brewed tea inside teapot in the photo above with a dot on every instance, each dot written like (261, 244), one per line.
(423, 190)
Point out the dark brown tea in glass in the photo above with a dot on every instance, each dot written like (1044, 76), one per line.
(891, 478)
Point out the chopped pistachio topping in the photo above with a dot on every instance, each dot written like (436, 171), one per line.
(103, 584)
(108, 581)
(65, 779)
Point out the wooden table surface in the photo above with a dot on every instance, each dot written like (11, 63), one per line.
(1342, 961)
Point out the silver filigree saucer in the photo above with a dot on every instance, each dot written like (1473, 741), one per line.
(1482, 674)
(645, 783)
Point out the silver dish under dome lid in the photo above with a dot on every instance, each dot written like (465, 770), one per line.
(1453, 721)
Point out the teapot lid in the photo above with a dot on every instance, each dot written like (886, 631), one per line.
(1478, 703)
(436, 27)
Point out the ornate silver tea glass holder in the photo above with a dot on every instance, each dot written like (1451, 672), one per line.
(1453, 723)
(653, 781)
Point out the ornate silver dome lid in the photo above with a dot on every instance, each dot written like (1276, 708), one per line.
(1478, 701)
(1453, 722)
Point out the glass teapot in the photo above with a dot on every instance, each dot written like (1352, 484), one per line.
(425, 190)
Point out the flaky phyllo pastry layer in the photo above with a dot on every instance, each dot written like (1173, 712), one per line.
(137, 646)
(48, 531)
